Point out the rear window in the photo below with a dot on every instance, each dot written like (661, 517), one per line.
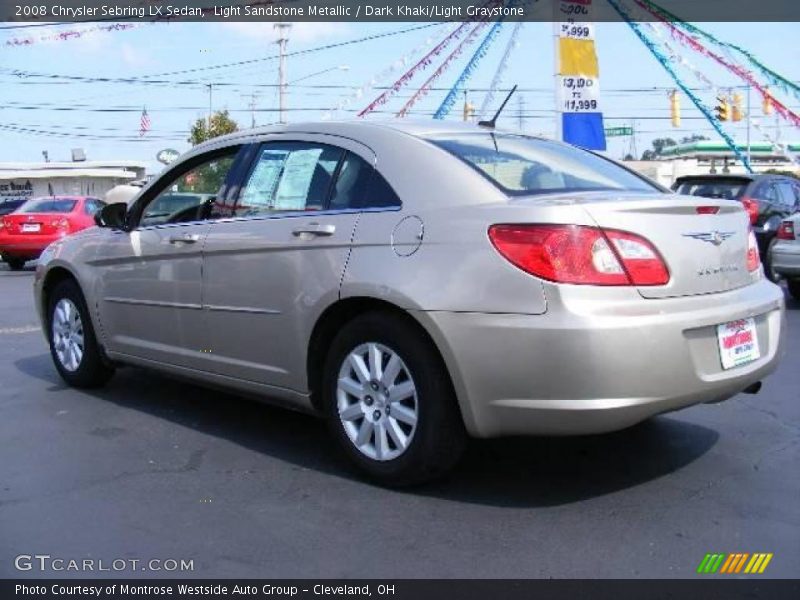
(521, 165)
(726, 189)
(48, 205)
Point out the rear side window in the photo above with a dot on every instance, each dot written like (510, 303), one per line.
(92, 205)
(786, 194)
(359, 185)
(766, 191)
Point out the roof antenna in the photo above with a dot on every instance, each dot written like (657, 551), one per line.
(491, 124)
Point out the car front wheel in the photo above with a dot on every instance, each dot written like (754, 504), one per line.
(389, 401)
(73, 345)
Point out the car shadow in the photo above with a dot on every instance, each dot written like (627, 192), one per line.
(791, 303)
(28, 269)
(509, 472)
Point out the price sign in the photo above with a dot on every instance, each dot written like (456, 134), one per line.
(576, 31)
(578, 94)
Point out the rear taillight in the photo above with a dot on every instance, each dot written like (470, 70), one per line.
(753, 261)
(580, 254)
(786, 231)
(60, 223)
(751, 207)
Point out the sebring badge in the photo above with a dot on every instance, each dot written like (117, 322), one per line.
(712, 237)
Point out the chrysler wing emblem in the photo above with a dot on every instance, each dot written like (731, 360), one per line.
(712, 237)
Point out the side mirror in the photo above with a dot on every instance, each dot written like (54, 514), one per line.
(113, 216)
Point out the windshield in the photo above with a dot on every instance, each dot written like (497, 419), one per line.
(48, 205)
(731, 189)
(522, 165)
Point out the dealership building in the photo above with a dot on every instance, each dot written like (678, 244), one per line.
(79, 178)
(709, 157)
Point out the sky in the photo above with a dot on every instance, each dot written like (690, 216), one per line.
(57, 114)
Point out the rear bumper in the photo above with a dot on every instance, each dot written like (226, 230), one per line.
(591, 367)
(28, 247)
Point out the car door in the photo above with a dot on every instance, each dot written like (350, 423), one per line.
(149, 278)
(271, 270)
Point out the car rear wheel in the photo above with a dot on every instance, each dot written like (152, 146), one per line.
(769, 271)
(794, 288)
(15, 264)
(389, 401)
(73, 345)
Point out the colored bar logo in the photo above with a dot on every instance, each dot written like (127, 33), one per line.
(734, 563)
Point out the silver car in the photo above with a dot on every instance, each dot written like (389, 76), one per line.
(785, 253)
(416, 284)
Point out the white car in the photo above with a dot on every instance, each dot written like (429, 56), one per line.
(786, 253)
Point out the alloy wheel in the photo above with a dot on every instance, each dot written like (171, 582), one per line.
(67, 332)
(377, 401)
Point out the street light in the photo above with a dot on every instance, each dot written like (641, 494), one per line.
(339, 68)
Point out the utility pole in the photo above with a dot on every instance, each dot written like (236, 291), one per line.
(252, 106)
(521, 113)
(283, 39)
(210, 87)
(634, 152)
(748, 123)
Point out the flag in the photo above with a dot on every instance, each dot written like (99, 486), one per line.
(144, 124)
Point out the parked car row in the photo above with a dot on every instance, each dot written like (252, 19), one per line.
(768, 200)
(416, 283)
(786, 253)
(31, 226)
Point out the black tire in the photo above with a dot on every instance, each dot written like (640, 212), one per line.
(769, 272)
(91, 371)
(439, 438)
(16, 264)
(794, 288)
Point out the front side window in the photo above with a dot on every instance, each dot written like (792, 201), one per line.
(521, 165)
(292, 176)
(193, 195)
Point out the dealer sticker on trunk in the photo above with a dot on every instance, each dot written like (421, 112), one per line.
(738, 343)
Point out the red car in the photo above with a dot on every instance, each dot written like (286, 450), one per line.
(34, 225)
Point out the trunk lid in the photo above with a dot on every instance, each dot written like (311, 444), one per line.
(705, 253)
(35, 223)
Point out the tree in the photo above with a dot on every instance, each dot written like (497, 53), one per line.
(221, 123)
(658, 146)
(695, 137)
(785, 172)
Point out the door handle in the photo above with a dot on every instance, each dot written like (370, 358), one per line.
(187, 238)
(314, 229)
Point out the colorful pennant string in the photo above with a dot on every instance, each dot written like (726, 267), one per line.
(497, 80)
(425, 88)
(665, 62)
(72, 34)
(447, 104)
(420, 66)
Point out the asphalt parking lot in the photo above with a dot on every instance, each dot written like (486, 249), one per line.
(154, 468)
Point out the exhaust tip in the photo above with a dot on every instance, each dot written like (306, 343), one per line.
(752, 388)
